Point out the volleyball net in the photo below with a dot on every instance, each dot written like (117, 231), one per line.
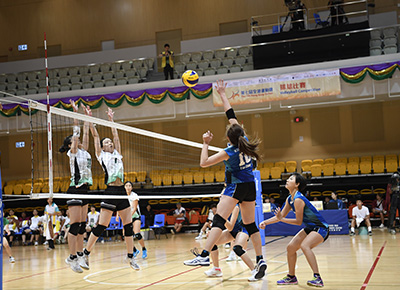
(150, 159)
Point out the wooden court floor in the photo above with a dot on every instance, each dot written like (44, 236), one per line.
(345, 263)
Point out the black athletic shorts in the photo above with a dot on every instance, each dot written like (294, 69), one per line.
(78, 190)
(245, 191)
(115, 204)
(324, 232)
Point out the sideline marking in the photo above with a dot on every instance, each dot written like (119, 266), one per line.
(365, 284)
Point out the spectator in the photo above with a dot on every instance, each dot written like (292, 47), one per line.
(92, 220)
(24, 223)
(274, 206)
(393, 194)
(327, 200)
(12, 225)
(315, 198)
(5, 243)
(179, 214)
(51, 212)
(167, 62)
(149, 216)
(335, 199)
(360, 218)
(337, 12)
(379, 207)
(34, 229)
(208, 223)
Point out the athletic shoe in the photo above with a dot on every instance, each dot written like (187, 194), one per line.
(199, 237)
(393, 231)
(232, 257)
(382, 226)
(213, 272)
(144, 254)
(74, 265)
(36, 244)
(82, 262)
(132, 263)
(46, 243)
(86, 259)
(198, 261)
(49, 249)
(352, 233)
(287, 281)
(369, 233)
(12, 260)
(316, 281)
(227, 246)
(135, 253)
(172, 231)
(261, 268)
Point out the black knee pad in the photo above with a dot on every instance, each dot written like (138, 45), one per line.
(138, 236)
(74, 229)
(128, 228)
(215, 248)
(219, 222)
(82, 228)
(251, 228)
(98, 230)
(238, 250)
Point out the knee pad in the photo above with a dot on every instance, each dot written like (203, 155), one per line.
(138, 236)
(98, 230)
(238, 250)
(74, 229)
(82, 228)
(251, 228)
(219, 222)
(128, 228)
(215, 248)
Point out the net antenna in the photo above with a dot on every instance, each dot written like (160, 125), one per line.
(49, 135)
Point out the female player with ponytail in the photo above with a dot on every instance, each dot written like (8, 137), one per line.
(240, 186)
(81, 178)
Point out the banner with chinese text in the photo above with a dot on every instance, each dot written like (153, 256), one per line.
(281, 87)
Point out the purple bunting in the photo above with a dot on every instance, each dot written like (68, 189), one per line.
(375, 67)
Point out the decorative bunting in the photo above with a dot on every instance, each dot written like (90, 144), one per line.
(378, 72)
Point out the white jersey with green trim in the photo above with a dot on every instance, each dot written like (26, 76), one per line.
(80, 164)
(112, 165)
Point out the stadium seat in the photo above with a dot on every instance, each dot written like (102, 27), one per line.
(203, 64)
(32, 91)
(109, 83)
(244, 50)
(341, 160)
(220, 176)
(222, 70)
(391, 165)
(198, 177)
(341, 192)
(105, 67)
(365, 167)
(232, 52)
(73, 71)
(235, 68)
(378, 166)
(122, 81)
(352, 168)
(209, 71)
(330, 160)
(149, 62)
(75, 79)
(185, 57)
(306, 165)
(209, 176)
(318, 161)
(133, 80)
(131, 72)
(316, 170)
(291, 166)
(208, 55)
(227, 61)
(196, 56)
(141, 176)
(264, 172)
(215, 63)
(143, 72)
(98, 84)
(65, 87)
(240, 59)
(167, 179)
(353, 192)
(137, 63)
(281, 165)
(327, 193)
(220, 53)
(192, 65)
(276, 172)
(87, 85)
(248, 67)
(315, 193)
(391, 157)
(268, 165)
(366, 191)
(354, 160)
(340, 169)
(366, 159)
(188, 178)
(327, 168)
(108, 75)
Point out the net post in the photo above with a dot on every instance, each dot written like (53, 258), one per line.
(2, 230)
(259, 204)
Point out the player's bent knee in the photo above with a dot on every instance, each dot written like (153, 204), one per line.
(128, 229)
(251, 228)
(74, 229)
(238, 250)
(98, 230)
(219, 222)
(138, 236)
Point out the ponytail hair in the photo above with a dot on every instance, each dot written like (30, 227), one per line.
(65, 146)
(236, 135)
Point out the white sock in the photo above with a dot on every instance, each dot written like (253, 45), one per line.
(217, 268)
(352, 229)
(369, 229)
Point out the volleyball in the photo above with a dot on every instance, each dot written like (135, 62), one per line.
(190, 78)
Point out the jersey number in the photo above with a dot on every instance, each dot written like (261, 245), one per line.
(244, 159)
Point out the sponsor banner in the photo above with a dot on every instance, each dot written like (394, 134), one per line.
(281, 87)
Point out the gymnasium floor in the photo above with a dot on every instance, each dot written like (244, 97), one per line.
(345, 263)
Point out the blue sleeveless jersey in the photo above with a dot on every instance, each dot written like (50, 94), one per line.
(239, 166)
(311, 216)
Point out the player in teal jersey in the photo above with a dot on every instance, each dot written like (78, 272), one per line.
(315, 232)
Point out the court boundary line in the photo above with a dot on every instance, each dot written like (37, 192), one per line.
(371, 271)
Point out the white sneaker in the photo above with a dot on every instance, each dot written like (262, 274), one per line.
(36, 244)
(132, 263)
(46, 243)
(74, 265)
(381, 226)
(232, 257)
(199, 237)
(198, 261)
(12, 260)
(172, 232)
(227, 246)
(259, 272)
(213, 272)
(86, 258)
(82, 262)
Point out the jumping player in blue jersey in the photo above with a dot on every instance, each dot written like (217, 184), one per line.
(239, 186)
(315, 232)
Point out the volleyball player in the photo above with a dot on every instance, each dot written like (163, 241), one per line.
(134, 202)
(5, 242)
(80, 163)
(51, 212)
(240, 186)
(316, 230)
(108, 153)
